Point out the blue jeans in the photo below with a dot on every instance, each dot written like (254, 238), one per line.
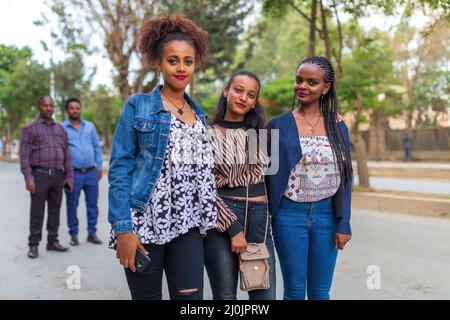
(88, 182)
(222, 264)
(304, 235)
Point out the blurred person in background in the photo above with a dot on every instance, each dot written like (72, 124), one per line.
(87, 160)
(46, 165)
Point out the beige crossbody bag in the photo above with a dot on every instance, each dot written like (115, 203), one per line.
(254, 262)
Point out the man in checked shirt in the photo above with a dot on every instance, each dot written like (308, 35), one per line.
(46, 166)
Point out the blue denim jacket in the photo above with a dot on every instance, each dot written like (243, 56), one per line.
(138, 151)
(289, 154)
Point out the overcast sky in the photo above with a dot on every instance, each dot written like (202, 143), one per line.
(17, 28)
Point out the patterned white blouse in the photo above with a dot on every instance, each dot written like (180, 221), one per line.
(316, 176)
(184, 196)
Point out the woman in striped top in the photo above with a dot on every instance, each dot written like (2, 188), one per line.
(240, 162)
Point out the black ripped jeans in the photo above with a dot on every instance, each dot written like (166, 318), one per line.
(182, 261)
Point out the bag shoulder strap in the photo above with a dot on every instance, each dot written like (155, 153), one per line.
(246, 212)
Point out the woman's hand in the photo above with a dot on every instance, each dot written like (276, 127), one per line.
(127, 244)
(339, 117)
(238, 243)
(342, 239)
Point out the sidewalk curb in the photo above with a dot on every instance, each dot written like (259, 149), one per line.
(11, 160)
(402, 204)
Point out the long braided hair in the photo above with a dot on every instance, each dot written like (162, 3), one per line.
(329, 108)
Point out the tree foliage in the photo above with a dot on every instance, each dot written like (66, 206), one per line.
(22, 81)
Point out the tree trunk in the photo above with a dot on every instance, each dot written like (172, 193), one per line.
(359, 147)
(326, 38)
(338, 55)
(2, 133)
(5, 144)
(7, 147)
(312, 30)
(377, 136)
(121, 81)
(361, 160)
(63, 110)
(419, 121)
(149, 86)
(409, 118)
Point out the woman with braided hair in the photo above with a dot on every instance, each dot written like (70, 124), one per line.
(162, 195)
(309, 196)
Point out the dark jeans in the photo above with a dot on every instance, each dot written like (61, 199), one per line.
(222, 264)
(48, 188)
(408, 154)
(182, 261)
(88, 182)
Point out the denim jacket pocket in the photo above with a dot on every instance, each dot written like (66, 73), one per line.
(146, 133)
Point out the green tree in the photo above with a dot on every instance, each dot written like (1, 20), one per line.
(223, 20)
(277, 96)
(22, 81)
(117, 24)
(421, 60)
(71, 77)
(103, 106)
(271, 46)
(368, 77)
(318, 15)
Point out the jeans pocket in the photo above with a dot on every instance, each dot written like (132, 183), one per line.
(235, 206)
(257, 223)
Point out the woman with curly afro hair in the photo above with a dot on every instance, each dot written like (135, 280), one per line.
(162, 194)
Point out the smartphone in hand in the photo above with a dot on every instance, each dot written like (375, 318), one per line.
(141, 261)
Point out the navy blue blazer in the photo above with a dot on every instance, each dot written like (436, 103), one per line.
(290, 153)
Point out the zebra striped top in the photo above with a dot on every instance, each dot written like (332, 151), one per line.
(237, 163)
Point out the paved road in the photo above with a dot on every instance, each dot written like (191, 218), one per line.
(412, 254)
(412, 185)
(408, 165)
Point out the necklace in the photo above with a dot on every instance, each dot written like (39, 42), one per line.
(180, 110)
(313, 130)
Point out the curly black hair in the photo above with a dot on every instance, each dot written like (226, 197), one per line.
(163, 28)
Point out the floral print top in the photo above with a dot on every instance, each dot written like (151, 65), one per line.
(184, 196)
